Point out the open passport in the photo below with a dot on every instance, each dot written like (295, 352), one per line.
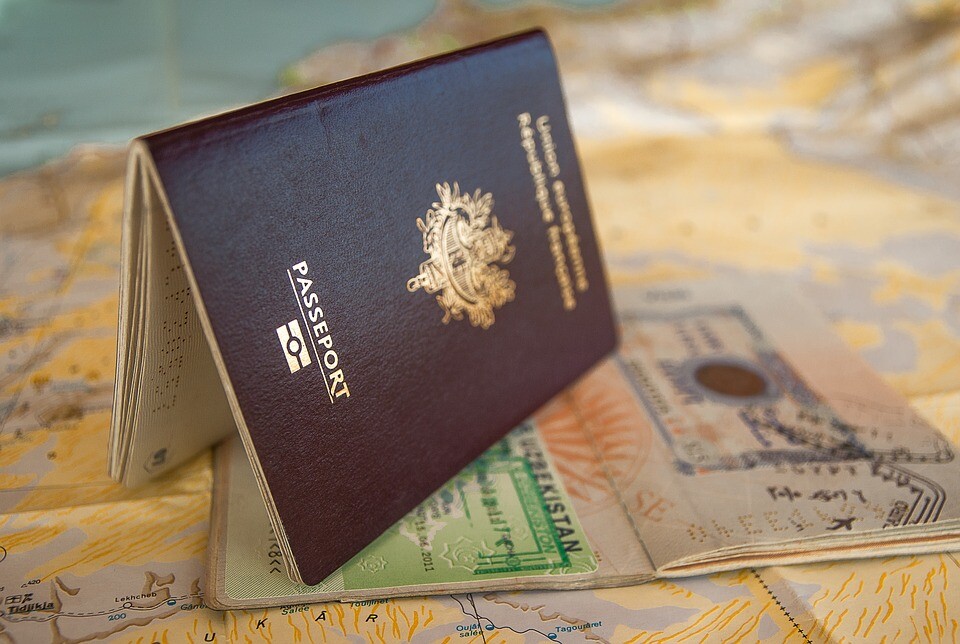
(731, 429)
(374, 281)
(387, 286)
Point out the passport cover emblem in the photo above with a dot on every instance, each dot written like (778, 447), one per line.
(465, 243)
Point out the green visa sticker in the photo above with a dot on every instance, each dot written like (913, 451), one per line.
(506, 515)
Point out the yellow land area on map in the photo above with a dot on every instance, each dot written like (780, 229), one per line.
(822, 161)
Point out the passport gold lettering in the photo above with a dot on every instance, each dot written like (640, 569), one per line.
(560, 268)
(549, 149)
(529, 144)
(551, 197)
(570, 236)
(320, 336)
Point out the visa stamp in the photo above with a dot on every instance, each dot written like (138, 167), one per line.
(702, 369)
(505, 515)
(724, 398)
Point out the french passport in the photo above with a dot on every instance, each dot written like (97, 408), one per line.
(373, 281)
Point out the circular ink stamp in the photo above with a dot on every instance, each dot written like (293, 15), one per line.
(730, 380)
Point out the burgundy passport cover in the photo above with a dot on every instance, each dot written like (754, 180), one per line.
(396, 270)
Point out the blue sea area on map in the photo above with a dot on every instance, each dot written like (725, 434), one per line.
(74, 72)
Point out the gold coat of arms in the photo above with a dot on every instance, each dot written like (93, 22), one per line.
(465, 243)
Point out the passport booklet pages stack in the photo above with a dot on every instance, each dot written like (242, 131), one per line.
(731, 429)
(374, 281)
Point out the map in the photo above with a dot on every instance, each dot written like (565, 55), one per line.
(806, 142)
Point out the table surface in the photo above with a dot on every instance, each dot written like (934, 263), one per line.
(717, 139)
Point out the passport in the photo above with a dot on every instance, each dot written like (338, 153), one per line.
(373, 281)
(505, 522)
(731, 429)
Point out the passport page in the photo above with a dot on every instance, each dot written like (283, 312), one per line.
(505, 517)
(732, 429)
(769, 440)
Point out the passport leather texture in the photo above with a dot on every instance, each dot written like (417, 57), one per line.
(369, 356)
